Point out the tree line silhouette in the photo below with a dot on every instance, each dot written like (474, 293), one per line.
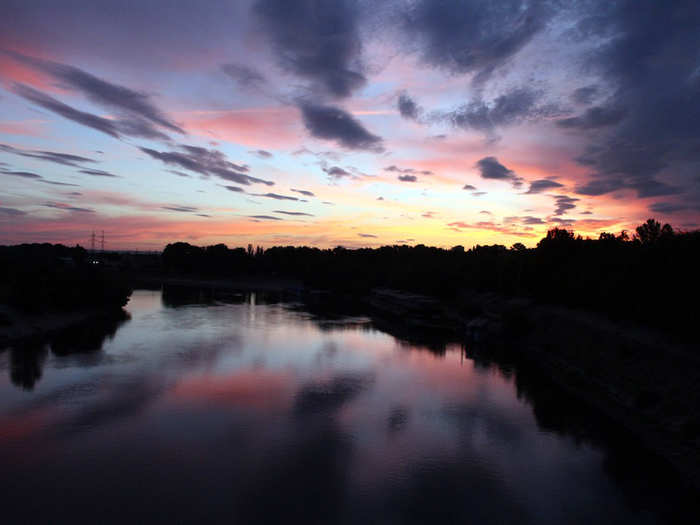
(643, 277)
(38, 278)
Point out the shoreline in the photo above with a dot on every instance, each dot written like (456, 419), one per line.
(26, 329)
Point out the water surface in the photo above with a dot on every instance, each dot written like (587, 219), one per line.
(193, 410)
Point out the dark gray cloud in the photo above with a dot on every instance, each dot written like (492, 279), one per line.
(86, 119)
(599, 186)
(332, 123)
(98, 173)
(469, 187)
(564, 203)
(182, 209)
(134, 105)
(66, 159)
(337, 172)
(318, 41)
(205, 162)
(648, 59)
(235, 188)
(595, 117)
(24, 174)
(263, 154)
(67, 207)
(134, 127)
(507, 109)
(245, 76)
(367, 235)
(668, 207)
(295, 213)
(540, 185)
(490, 168)
(472, 36)
(585, 95)
(265, 217)
(56, 183)
(11, 212)
(396, 169)
(179, 173)
(408, 178)
(304, 192)
(408, 107)
(275, 196)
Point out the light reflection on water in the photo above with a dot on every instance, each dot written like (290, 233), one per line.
(194, 410)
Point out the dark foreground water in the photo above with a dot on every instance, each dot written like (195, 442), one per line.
(250, 412)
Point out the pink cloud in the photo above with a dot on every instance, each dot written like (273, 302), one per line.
(266, 128)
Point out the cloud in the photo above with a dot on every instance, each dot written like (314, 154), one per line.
(67, 207)
(304, 192)
(585, 95)
(205, 162)
(316, 41)
(134, 127)
(593, 118)
(474, 36)
(337, 172)
(245, 76)
(667, 207)
(179, 173)
(64, 159)
(396, 169)
(367, 235)
(265, 217)
(135, 106)
(564, 204)
(469, 187)
(332, 123)
(408, 107)
(506, 109)
(540, 185)
(295, 213)
(11, 212)
(275, 196)
(599, 186)
(263, 154)
(408, 178)
(56, 183)
(652, 76)
(24, 174)
(182, 209)
(644, 186)
(235, 188)
(490, 168)
(489, 225)
(98, 173)
(528, 219)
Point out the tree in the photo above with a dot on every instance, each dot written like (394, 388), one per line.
(651, 231)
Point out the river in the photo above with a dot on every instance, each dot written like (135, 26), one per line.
(192, 410)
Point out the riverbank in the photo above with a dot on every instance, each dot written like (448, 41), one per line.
(18, 328)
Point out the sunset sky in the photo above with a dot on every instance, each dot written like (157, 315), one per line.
(354, 123)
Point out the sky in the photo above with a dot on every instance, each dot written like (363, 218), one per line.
(353, 123)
